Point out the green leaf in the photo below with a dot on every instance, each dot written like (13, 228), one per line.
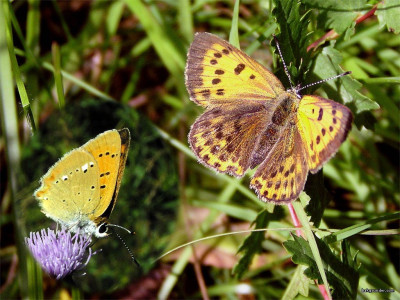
(114, 17)
(252, 245)
(388, 13)
(236, 211)
(300, 250)
(299, 284)
(361, 102)
(319, 195)
(327, 65)
(309, 234)
(172, 54)
(357, 228)
(341, 274)
(234, 33)
(293, 36)
(338, 15)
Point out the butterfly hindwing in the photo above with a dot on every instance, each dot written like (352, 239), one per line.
(324, 125)
(282, 175)
(218, 73)
(224, 139)
(70, 188)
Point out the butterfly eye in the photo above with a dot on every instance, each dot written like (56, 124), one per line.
(102, 229)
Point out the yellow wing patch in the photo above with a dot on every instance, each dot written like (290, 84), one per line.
(64, 182)
(106, 149)
(323, 125)
(218, 73)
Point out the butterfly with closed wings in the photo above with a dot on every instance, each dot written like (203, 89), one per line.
(81, 189)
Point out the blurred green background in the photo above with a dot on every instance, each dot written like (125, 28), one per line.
(73, 69)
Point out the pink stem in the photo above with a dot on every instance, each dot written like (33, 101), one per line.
(295, 220)
(323, 291)
(296, 223)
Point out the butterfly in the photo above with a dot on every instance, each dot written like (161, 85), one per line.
(251, 120)
(80, 190)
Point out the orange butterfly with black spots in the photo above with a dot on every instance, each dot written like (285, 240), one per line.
(251, 120)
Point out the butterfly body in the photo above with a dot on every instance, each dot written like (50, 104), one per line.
(80, 190)
(284, 116)
(251, 120)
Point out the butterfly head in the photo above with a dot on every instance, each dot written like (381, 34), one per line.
(101, 230)
(98, 228)
(295, 91)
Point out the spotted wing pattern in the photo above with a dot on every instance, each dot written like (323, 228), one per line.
(110, 152)
(281, 176)
(324, 125)
(225, 140)
(217, 73)
(70, 190)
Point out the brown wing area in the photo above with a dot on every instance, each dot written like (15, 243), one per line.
(323, 125)
(218, 73)
(69, 191)
(225, 139)
(106, 150)
(282, 175)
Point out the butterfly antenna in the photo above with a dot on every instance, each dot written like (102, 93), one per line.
(323, 80)
(123, 242)
(283, 62)
(121, 227)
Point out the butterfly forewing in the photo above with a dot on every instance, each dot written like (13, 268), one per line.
(323, 125)
(106, 149)
(219, 74)
(125, 137)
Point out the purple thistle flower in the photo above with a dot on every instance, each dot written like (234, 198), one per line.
(58, 253)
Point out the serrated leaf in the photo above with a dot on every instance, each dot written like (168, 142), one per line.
(319, 195)
(300, 250)
(252, 244)
(388, 13)
(293, 35)
(341, 275)
(326, 65)
(299, 284)
(361, 102)
(338, 15)
(346, 255)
